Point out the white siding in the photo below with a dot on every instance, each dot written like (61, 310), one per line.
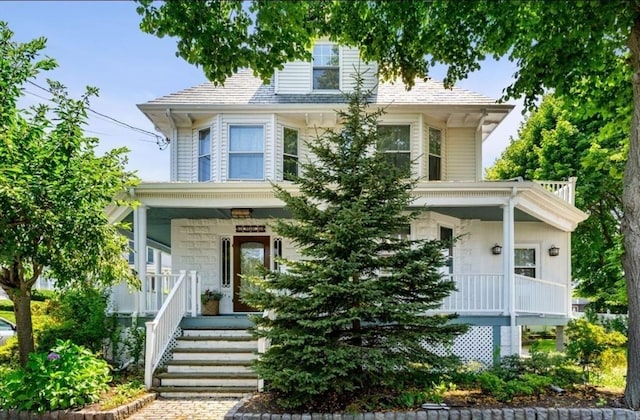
(350, 63)
(460, 149)
(294, 78)
(185, 155)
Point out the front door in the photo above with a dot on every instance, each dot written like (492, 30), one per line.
(249, 253)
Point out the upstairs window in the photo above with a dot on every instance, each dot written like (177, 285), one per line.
(394, 142)
(290, 154)
(435, 154)
(246, 152)
(204, 155)
(326, 67)
(525, 262)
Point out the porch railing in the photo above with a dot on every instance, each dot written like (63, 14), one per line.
(485, 293)
(563, 189)
(476, 293)
(181, 299)
(157, 290)
(541, 296)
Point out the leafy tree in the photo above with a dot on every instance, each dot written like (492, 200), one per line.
(560, 140)
(53, 189)
(556, 44)
(350, 315)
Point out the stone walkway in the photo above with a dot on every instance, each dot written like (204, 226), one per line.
(185, 409)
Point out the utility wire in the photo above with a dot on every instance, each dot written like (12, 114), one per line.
(160, 141)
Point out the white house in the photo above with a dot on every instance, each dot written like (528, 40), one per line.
(512, 265)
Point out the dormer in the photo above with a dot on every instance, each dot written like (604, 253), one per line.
(330, 71)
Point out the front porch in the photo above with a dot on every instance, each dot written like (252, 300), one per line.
(476, 295)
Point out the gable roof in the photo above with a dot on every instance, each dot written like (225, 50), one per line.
(244, 88)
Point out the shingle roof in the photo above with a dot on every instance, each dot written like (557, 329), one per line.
(245, 89)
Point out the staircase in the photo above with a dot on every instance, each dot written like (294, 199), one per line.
(211, 360)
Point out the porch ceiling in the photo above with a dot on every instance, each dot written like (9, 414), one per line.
(159, 218)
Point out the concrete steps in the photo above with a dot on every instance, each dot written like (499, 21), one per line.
(210, 362)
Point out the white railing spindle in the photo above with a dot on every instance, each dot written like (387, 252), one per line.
(161, 329)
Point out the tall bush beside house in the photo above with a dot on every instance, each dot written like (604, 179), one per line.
(349, 317)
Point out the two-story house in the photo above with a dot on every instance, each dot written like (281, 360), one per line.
(512, 264)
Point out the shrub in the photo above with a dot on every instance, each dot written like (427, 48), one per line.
(588, 342)
(69, 376)
(78, 315)
(506, 390)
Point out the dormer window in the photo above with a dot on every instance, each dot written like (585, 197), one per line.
(326, 67)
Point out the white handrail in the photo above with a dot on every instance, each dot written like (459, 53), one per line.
(160, 331)
(541, 296)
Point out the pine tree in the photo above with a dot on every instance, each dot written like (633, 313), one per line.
(350, 315)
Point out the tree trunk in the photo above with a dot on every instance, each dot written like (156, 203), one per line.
(631, 230)
(22, 309)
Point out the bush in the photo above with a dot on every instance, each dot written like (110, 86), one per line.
(506, 390)
(69, 376)
(79, 315)
(588, 342)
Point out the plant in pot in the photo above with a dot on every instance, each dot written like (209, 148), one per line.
(210, 302)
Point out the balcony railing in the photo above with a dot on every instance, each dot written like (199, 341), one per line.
(563, 189)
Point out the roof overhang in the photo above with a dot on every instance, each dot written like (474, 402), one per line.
(464, 200)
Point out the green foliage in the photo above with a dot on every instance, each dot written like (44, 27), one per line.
(561, 140)
(350, 315)
(507, 390)
(123, 394)
(68, 377)
(54, 189)
(135, 342)
(79, 315)
(588, 342)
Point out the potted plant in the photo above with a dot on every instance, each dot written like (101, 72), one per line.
(210, 302)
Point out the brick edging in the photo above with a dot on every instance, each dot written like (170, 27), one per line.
(534, 413)
(118, 413)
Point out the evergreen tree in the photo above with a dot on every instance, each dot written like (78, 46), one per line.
(351, 314)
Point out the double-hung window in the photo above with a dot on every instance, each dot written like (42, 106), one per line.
(326, 67)
(435, 154)
(246, 152)
(204, 155)
(525, 261)
(394, 141)
(290, 154)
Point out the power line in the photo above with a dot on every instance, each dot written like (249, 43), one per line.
(162, 143)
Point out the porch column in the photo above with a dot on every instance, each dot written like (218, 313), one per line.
(508, 233)
(140, 254)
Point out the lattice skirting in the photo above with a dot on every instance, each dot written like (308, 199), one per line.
(476, 345)
(168, 353)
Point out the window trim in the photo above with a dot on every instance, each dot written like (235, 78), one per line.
(263, 152)
(285, 154)
(314, 67)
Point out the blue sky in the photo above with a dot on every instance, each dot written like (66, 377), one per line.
(99, 43)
